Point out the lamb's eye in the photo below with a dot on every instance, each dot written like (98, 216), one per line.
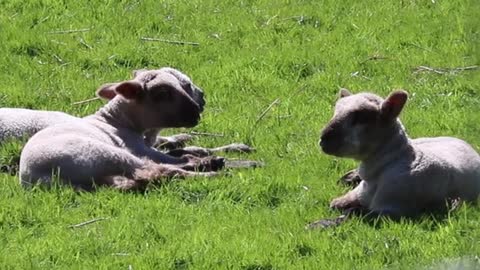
(364, 117)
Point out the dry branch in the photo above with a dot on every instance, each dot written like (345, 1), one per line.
(176, 42)
(82, 41)
(262, 115)
(85, 101)
(87, 222)
(70, 31)
(206, 134)
(443, 71)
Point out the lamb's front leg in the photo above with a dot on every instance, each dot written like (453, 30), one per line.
(186, 162)
(202, 151)
(172, 142)
(351, 199)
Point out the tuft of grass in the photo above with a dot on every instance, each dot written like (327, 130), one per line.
(250, 53)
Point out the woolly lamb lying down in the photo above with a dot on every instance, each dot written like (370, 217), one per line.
(401, 177)
(108, 148)
(19, 123)
(23, 123)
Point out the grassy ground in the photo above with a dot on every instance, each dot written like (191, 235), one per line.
(250, 53)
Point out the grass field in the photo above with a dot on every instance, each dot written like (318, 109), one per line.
(250, 53)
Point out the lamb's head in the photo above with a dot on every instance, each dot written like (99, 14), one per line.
(361, 123)
(195, 92)
(156, 99)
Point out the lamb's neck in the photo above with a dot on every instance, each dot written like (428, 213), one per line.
(396, 146)
(119, 114)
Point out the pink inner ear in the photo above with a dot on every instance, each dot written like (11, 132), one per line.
(129, 89)
(396, 101)
(107, 92)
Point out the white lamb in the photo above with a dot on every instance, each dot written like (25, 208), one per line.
(16, 123)
(401, 177)
(108, 148)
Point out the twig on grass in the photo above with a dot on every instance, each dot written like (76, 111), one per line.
(176, 42)
(262, 115)
(442, 71)
(60, 60)
(70, 31)
(82, 41)
(85, 101)
(270, 19)
(374, 57)
(206, 134)
(87, 222)
(120, 254)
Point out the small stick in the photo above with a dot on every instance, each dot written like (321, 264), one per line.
(85, 44)
(442, 71)
(87, 222)
(177, 42)
(262, 115)
(206, 134)
(60, 60)
(270, 19)
(120, 254)
(69, 31)
(85, 101)
(374, 58)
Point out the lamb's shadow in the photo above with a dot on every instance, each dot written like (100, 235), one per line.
(429, 221)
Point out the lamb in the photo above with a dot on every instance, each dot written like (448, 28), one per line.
(108, 148)
(16, 123)
(400, 177)
(23, 123)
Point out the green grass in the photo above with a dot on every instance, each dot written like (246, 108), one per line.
(250, 53)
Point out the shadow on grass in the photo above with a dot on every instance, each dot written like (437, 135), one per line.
(430, 221)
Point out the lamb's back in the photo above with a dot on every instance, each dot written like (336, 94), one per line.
(17, 123)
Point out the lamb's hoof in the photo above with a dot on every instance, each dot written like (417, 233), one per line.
(326, 222)
(172, 142)
(345, 202)
(217, 163)
(237, 148)
(235, 164)
(351, 178)
(203, 164)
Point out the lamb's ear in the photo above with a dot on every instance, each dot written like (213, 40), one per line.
(129, 89)
(344, 93)
(393, 104)
(107, 91)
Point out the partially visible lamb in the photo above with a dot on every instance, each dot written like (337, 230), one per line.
(108, 148)
(401, 177)
(23, 123)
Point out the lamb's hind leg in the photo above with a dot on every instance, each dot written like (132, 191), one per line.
(152, 173)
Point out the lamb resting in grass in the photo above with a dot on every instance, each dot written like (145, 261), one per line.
(16, 123)
(401, 177)
(108, 148)
(23, 123)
